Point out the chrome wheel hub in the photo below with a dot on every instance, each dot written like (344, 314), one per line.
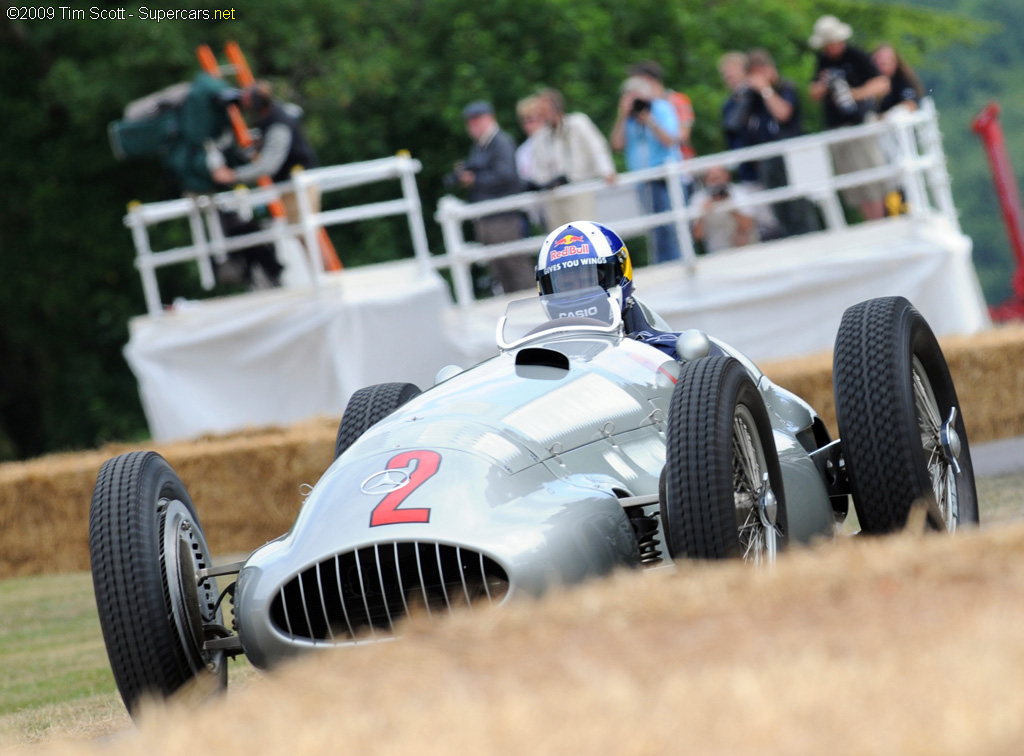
(756, 504)
(942, 447)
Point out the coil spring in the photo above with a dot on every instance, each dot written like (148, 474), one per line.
(646, 528)
(231, 599)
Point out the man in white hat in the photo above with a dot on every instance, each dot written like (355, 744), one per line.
(849, 84)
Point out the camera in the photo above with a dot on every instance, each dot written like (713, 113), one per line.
(640, 106)
(839, 91)
(718, 191)
(533, 186)
(451, 180)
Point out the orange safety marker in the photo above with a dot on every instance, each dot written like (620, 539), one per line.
(246, 79)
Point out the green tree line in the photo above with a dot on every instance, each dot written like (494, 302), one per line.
(374, 77)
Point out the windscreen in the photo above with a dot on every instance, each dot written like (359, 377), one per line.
(582, 309)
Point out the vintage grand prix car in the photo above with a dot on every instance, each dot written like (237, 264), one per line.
(575, 451)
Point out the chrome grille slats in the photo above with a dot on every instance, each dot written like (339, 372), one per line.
(362, 592)
(462, 575)
(367, 591)
(344, 609)
(423, 583)
(483, 573)
(440, 574)
(323, 601)
(401, 588)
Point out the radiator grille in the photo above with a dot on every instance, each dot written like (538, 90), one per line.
(367, 591)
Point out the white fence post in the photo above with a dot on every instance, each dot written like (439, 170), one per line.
(144, 258)
(417, 229)
(455, 245)
(680, 212)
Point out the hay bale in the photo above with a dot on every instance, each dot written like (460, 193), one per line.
(245, 486)
(988, 369)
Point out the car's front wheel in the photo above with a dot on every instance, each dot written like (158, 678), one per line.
(147, 548)
(723, 494)
(899, 420)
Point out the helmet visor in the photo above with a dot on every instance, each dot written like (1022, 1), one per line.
(566, 277)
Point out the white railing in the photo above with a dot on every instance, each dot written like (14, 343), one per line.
(209, 242)
(919, 168)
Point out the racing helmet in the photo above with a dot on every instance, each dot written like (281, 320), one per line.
(583, 254)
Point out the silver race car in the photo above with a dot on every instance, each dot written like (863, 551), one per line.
(575, 451)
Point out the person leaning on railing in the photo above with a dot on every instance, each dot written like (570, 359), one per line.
(849, 84)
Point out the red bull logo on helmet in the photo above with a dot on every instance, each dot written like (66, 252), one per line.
(568, 246)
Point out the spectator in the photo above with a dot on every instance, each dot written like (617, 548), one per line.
(773, 114)
(531, 114)
(653, 72)
(727, 219)
(569, 148)
(905, 93)
(849, 84)
(282, 149)
(489, 173)
(194, 160)
(905, 88)
(647, 130)
(732, 67)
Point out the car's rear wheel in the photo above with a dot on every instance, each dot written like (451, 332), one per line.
(899, 420)
(723, 495)
(368, 406)
(147, 547)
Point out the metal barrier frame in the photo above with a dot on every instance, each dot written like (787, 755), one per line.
(919, 167)
(209, 240)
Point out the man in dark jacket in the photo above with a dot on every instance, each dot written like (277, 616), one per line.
(489, 173)
(282, 148)
(774, 115)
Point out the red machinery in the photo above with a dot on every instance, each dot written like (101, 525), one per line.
(986, 125)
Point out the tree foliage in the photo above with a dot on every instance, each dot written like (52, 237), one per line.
(374, 77)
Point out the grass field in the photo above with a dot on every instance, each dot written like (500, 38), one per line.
(55, 681)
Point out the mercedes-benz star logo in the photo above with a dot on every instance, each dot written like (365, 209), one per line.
(385, 482)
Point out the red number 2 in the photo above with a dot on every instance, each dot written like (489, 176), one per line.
(387, 511)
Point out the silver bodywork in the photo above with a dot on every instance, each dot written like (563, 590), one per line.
(518, 474)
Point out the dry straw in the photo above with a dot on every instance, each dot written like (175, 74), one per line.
(908, 645)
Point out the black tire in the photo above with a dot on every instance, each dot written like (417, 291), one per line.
(367, 407)
(145, 544)
(887, 371)
(717, 420)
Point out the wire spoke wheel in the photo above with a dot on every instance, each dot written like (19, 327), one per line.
(722, 496)
(757, 531)
(903, 436)
(940, 458)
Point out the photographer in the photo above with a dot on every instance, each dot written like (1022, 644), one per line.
(647, 130)
(774, 115)
(849, 84)
(726, 218)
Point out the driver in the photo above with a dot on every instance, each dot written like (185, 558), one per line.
(584, 254)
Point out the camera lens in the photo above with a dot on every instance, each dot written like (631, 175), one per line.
(639, 105)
